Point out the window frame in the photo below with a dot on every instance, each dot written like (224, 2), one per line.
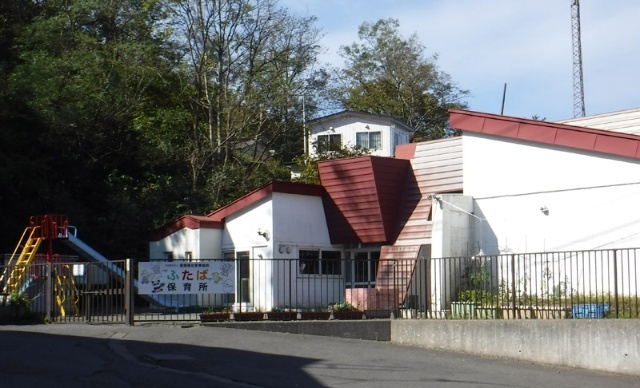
(368, 136)
(320, 265)
(330, 145)
(354, 273)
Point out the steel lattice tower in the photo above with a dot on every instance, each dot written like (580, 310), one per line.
(578, 83)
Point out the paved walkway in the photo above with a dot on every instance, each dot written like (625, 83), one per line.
(83, 355)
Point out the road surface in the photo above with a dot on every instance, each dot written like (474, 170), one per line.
(84, 355)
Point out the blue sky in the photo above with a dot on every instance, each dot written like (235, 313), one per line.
(526, 44)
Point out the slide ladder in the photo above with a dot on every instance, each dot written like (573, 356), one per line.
(18, 266)
(65, 290)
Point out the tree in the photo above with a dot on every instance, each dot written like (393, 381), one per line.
(248, 65)
(388, 74)
(308, 164)
(87, 69)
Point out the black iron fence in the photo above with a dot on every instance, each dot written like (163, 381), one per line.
(64, 292)
(579, 284)
(555, 285)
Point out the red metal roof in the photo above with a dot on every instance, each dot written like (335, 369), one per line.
(362, 197)
(597, 140)
(215, 219)
(262, 192)
(187, 221)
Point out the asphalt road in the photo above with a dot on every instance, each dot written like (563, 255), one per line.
(82, 355)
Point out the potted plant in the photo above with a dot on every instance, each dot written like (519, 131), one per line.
(244, 316)
(345, 310)
(277, 314)
(314, 314)
(215, 316)
(19, 303)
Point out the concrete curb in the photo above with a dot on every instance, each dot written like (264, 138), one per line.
(372, 330)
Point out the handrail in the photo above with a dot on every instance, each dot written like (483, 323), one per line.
(14, 254)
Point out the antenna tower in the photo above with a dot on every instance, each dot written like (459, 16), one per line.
(578, 83)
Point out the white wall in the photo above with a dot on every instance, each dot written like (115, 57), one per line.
(241, 228)
(452, 233)
(210, 244)
(452, 236)
(292, 222)
(203, 243)
(300, 220)
(593, 200)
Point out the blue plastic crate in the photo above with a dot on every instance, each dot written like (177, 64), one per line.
(590, 310)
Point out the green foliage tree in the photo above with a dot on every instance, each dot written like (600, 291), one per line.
(21, 178)
(249, 64)
(308, 164)
(388, 74)
(86, 69)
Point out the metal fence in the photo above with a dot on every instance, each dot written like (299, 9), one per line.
(65, 292)
(579, 284)
(556, 285)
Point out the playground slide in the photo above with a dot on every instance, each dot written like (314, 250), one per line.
(91, 254)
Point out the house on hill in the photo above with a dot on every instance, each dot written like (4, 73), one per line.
(506, 186)
(378, 133)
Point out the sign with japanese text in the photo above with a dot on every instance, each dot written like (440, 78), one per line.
(186, 277)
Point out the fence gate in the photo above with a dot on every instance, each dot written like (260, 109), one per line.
(97, 289)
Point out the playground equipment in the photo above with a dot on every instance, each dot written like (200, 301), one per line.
(16, 277)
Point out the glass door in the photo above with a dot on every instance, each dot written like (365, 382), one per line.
(244, 277)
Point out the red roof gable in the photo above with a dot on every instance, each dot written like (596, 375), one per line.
(608, 142)
(186, 221)
(262, 192)
(363, 195)
(215, 219)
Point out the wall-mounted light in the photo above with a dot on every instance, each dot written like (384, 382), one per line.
(331, 129)
(367, 126)
(264, 233)
(284, 248)
(544, 210)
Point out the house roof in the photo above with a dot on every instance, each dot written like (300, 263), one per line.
(362, 115)
(262, 192)
(362, 197)
(186, 221)
(626, 121)
(215, 219)
(563, 135)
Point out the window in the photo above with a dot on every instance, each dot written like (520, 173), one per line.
(168, 256)
(329, 142)
(361, 269)
(315, 262)
(369, 140)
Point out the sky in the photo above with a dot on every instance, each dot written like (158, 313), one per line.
(525, 44)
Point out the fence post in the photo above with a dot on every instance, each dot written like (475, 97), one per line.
(513, 285)
(48, 299)
(128, 292)
(615, 279)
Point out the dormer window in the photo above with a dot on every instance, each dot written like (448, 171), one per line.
(369, 140)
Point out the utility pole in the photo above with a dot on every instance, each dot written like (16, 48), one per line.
(578, 82)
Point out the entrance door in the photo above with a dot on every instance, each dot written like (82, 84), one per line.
(244, 277)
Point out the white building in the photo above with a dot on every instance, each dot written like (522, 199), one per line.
(378, 133)
(506, 186)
